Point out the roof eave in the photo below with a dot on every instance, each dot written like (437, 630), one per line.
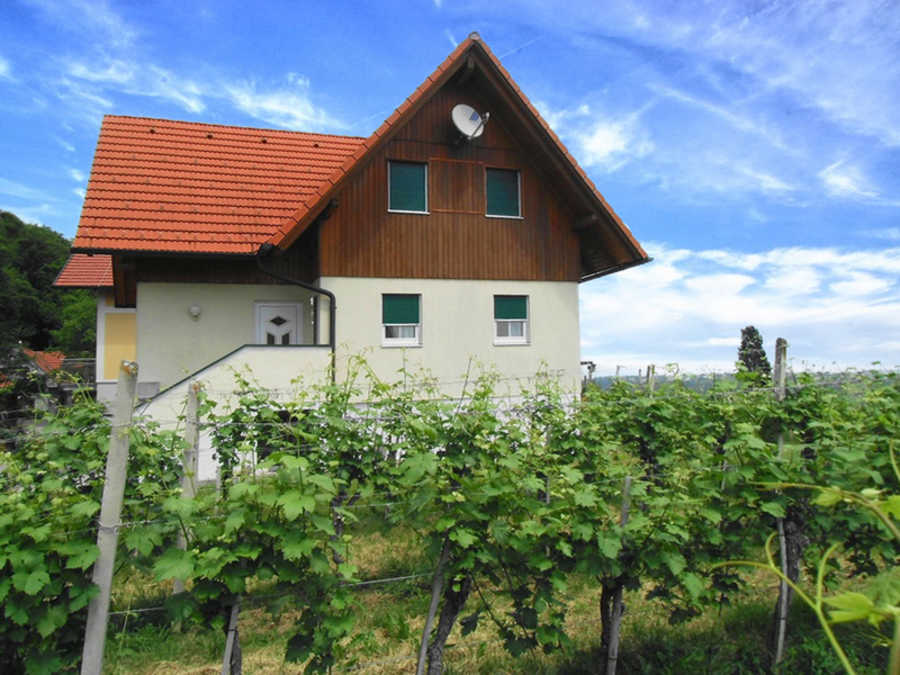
(145, 253)
(615, 268)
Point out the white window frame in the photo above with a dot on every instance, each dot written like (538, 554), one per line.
(406, 161)
(415, 341)
(523, 339)
(519, 216)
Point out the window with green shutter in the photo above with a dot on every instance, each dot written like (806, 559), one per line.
(400, 319)
(407, 187)
(510, 319)
(502, 187)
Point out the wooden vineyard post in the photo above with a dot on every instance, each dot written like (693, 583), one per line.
(617, 611)
(232, 661)
(110, 519)
(189, 463)
(651, 377)
(437, 585)
(783, 588)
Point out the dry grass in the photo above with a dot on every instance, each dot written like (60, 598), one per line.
(730, 640)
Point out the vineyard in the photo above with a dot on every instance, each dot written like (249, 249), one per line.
(512, 508)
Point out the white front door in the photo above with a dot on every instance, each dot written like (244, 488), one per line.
(278, 323)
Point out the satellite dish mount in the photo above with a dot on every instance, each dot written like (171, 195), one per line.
(467, 123)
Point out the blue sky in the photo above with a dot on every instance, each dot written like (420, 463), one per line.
(753, 148)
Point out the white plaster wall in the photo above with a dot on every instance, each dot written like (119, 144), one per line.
(458, 323)
(271, 367)
(171, 344)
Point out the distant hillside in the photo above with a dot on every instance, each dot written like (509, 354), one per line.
(700, 383)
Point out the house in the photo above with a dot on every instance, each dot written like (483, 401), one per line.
(428, 243)
(29, 381)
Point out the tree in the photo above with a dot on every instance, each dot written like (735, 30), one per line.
(752, 354)
(76, 336)
(30, 258)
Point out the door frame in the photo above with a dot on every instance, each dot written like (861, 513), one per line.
(258, 307)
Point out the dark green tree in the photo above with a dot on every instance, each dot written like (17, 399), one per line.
(76, 336)
(752, 354)
(30, 258)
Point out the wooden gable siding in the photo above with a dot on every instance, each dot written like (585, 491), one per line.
(455, 240)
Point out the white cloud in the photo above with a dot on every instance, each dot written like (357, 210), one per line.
(92, 18)
(842, 180)
(113, 72)
(732, 341)
(788, 280)
(719, 284)
(828, 303)
(80, 94)
(289, 107)
(37, 213)
(728, 115)
(612, 143)
(888, 233)
(14, 189)
(76, 175)
(162, 83)
(97, 82)
(5, 69)
(453, 41)
(862, 283)
(279, 107)
(65, 145)
(79, 192)
(298, 80)
(766, 181)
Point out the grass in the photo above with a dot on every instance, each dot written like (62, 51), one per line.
(723, 640)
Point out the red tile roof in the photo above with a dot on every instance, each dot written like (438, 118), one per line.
(46, 361)
(162, 185)
(86, 271)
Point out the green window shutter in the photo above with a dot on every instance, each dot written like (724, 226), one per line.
(396, 308)
(407, 186)
(510, 306)
(502, 192)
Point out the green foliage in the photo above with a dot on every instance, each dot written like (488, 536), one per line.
(50, 491)
(77, 332)
(520, 497)
(30, 258)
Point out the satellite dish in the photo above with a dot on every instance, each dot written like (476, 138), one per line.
(467, 121)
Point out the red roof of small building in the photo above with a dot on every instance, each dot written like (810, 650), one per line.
(46, 361)
(162, 185)
(86, 271)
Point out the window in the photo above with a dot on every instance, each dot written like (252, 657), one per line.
(400, 317)
(510, 319)
(503, 193)
(407, 190)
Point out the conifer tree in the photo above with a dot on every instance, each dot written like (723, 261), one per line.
(752, 354)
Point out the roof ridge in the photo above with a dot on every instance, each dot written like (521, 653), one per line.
(228, 126)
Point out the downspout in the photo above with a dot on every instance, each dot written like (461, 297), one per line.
(264, 252)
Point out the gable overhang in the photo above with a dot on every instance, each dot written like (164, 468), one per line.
(605, 242)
